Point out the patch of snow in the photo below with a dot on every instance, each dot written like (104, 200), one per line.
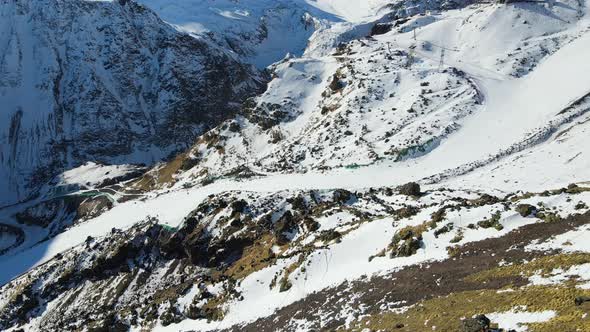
(91, 174)
(517, 319)
(572, 241)
(558, 276)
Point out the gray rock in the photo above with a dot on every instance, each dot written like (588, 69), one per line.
(410, 189)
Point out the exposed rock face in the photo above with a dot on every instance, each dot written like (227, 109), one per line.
(381, 28)
(105, 81)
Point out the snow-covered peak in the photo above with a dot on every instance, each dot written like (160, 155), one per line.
(260, 32)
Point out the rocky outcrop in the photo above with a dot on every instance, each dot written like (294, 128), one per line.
(410, 189)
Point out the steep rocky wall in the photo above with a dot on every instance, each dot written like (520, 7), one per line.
(104, 81)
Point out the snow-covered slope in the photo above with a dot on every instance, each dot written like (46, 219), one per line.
(293, 214)
(447, 95)
(356, 12)
(263, 32)
(103, 81)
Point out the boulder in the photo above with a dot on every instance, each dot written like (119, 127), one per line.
(407, 248)
(406, 242)
(526, 210)
(337, 84)
(479, 323)
(381, 29)
(341, 196)
(410, 189)
(581, 300)
(311, 225)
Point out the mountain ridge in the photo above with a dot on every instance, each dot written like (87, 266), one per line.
(77, 87)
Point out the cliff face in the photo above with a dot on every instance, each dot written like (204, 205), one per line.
(104, 81)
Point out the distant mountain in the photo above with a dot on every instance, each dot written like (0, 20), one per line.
(259, 32)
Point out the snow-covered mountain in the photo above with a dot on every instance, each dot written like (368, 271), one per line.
(395, 96)
(104, 81)
(259, 32)
(411, 165)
